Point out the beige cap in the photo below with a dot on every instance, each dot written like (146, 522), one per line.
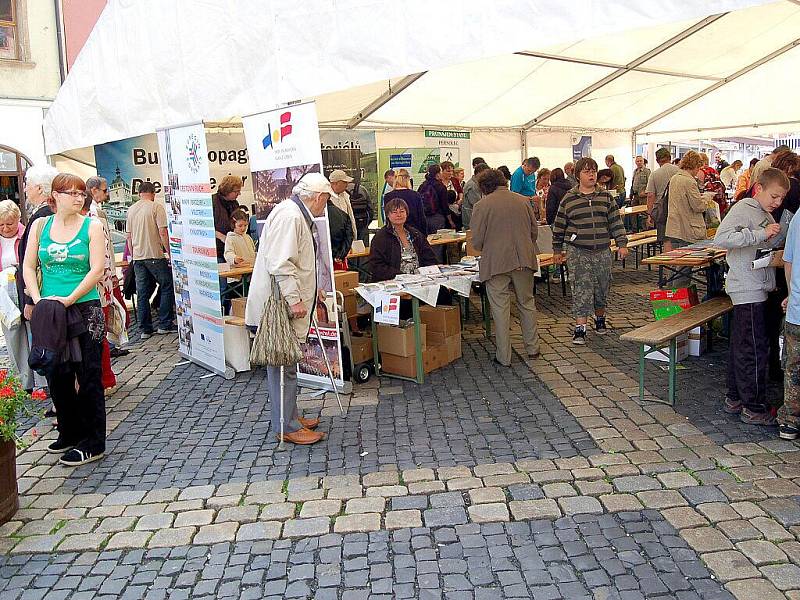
(339, 175)
(313, 182)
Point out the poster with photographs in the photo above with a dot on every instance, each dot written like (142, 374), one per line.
(284, 145)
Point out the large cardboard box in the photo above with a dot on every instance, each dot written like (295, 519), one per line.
(361, 348)
(399, 340)
(698, 341)
(345, 281)
(442, 319)
(435, 338)
(453, 346)
(237, 307)
(663, 354)
(432, 359)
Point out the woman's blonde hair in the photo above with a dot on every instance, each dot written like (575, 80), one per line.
(8, 208)
(230, 183)
(402, 179)
(691, 161)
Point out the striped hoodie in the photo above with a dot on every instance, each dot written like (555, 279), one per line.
(588, 221)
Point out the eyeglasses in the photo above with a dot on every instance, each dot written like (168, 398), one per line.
(74, 193)
(104, 190)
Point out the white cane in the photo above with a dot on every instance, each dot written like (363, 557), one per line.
(327, 363)
(280, 443)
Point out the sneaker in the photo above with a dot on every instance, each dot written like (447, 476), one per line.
(117, 352)
(600, 325)
(60, 447)
(731, 406)
(788, 432)
(579, 337)
(145, 336)
(75, 457)
(170, 329)
(756, 418)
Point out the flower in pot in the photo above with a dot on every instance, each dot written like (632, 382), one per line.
(15, 404)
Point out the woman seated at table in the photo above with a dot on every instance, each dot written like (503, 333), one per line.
(398, 248)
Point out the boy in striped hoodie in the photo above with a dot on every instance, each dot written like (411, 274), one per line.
(587, 220)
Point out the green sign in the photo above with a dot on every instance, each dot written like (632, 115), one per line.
(441, 133)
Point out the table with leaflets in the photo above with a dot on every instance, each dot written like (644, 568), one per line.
(688, 261)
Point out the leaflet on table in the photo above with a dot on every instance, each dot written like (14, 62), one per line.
(429, 294)
(461, 285)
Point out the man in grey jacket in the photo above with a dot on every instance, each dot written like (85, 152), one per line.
(472, 194)
(747, 228)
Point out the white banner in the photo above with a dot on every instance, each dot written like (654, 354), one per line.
(284, 145)
(193, 253)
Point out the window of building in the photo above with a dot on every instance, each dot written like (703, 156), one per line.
(9, 42)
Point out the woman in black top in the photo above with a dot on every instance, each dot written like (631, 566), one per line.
(402, 190)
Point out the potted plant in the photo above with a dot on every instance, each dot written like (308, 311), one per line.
(15, 404)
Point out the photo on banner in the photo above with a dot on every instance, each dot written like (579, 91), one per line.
(284, 145)
(190, 216)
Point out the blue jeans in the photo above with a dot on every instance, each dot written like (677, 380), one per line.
(148, 272)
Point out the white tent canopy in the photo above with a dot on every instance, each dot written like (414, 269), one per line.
(527, 67)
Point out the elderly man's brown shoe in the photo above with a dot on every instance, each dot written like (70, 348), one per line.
(302, 437)
(308, 423)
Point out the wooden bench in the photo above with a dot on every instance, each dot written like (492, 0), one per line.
(663, 333)
(637, 243)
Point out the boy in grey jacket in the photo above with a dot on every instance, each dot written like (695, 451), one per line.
(747, 228)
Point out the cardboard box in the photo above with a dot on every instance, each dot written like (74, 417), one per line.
(350, 305)
(435, 338)
(698, 341)
(237, 306)
(441, 319)
(666, 303)
(345, 281)
(663, 354)
(432, 359)
(361, 348)
(399, 340)
(453, 346)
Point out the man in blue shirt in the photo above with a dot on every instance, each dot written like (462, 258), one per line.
(523, 180)
(789, 413)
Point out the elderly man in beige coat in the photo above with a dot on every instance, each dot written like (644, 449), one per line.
(287, 252)
(504, 230)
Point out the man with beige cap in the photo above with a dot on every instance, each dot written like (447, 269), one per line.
(340, 198)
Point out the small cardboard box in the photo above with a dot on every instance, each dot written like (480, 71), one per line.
(237, 307)
(350, 305)
(399, 340)
(345, 281)
(435, 338)
(432, 359)
(698, 341)
(666, 303)
(663, 354)
(453, 345)
(361, 348)
(442, 319)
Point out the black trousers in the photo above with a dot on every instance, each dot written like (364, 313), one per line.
(82, 412)
(749, 356)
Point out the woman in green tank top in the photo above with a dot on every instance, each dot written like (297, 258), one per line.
(69, 249)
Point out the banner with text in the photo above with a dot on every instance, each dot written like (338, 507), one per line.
(192, 247)
(413, 160)
(284, 145)
(453, 146)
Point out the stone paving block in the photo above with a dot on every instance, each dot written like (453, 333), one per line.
(83, 542)
(86, 500)
(345, 493)
(123, 498)
(729, 565)
(417, 475)
(401, 519)
(772, 530)
(340, 481)
(620, 502)
(298, 484)
(706, 539)
(749, 589)
(533, 465)
(239, 514)
(543, 477)
(450, 516)
(38, 543)
(387, 491)
(589, 473)
(574, 462)
(594, 488)
(505, 480)
(381, 478)
(9, 528)
(320, 508)
(102, 512)
(783, 510)
(718, 511)
(760, 552)
(737, 492)
(426, 487)
(489, 513)
(747, 510)
(580, 505)
(153, 522)
(38, 527)
(303, 495)
(487, 495)
(464, 483)
(365, 505)
(749, 473)
(636, 483)
(778, 488)
(784, 577)
(534, 509)
(231, 489)
(738, 531)
(676, 480)
(78, 526)
(558, 490)
(360, 523)
(185, 505)
(263, 530)
(214, 534)
(218, 502)
(128, 539)
(140, 510)
(660, 499)
(494, 469)
(114, 524)
(623, 470)
(265, 487)
(306, 527)
(194, 518)
(445, 473)
(172, 537)
(277, 512)
(743, 449)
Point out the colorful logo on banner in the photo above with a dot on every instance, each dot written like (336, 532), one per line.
(273, 137)
(388, 309)
(193, 158)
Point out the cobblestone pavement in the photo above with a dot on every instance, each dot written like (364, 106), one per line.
(533, 475)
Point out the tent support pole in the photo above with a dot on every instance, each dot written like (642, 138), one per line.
(629, 67)
(373, 106)
(523, 150)
(720, 83)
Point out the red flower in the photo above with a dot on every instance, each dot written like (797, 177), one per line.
(35, 432)
(3, 375)
(6, 391)
(39, 395)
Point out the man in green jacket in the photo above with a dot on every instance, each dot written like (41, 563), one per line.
(618, 180)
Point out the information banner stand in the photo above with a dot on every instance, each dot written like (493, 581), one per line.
(192, 246)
